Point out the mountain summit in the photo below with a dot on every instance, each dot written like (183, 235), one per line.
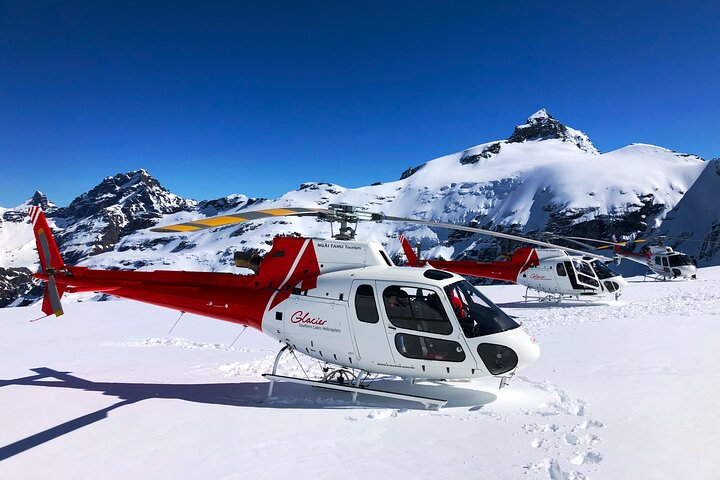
(133, 192)
(542, 126)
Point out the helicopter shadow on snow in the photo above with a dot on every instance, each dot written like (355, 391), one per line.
(245, 394)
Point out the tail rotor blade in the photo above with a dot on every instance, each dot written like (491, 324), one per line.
(46, 249)
(52, 293)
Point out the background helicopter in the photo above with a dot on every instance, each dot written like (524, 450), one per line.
(662, 260)
(551, 271)
(339, 301)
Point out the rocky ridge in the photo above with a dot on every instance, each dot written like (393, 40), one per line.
(540, 179)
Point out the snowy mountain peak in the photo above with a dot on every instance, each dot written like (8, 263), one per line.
(38, 199)
(134, 190)
(539, 116)
(543, 126)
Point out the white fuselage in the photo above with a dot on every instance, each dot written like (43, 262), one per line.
(348, 320)
(562, 274)
(666, 262)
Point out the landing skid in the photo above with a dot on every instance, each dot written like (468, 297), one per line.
(556, 297)
(346, 381)
(429, 403)
(656, 277)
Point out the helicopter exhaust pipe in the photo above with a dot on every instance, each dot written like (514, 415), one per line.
(249, 260)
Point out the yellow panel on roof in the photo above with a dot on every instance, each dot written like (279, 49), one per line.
(279, 211)
(217, 221)
(180, 228)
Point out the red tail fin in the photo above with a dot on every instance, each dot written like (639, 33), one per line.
(47, 248)
(409, 253)
(50, 261)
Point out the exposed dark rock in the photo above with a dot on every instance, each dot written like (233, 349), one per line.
(223, 204)
(487, 152)
(542, 126)
(410, 171)
(16, 283)
(711, 243)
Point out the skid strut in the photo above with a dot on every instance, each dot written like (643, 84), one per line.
(274, 370)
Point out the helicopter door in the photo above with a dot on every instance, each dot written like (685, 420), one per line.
(368, 325)
(666, 267)
(585, 275)
(319, 327)
(420, 332)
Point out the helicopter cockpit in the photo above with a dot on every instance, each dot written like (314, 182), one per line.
(421, 322)
(679, 260)
(609, 278)
(477, 315)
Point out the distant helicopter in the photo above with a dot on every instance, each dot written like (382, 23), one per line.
(549, 270)
(340, 301)
(662, 260)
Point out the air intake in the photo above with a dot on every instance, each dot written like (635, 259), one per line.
(249, 260)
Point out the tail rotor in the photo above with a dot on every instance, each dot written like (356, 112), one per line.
(50, 262)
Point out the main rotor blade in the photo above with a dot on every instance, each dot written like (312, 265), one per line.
(507, 236)
(54, 296)
(604, 242)
(242, 216)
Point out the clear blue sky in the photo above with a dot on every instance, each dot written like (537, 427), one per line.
(228, 97)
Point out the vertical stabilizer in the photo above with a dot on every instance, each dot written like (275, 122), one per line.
(412, 257)
(50, 261)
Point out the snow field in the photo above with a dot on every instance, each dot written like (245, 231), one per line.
(622, 390)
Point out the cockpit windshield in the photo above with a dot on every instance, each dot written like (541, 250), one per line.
(679, 260)
(603, 271)
(476, 313)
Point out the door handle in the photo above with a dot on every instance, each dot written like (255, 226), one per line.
(391, 328)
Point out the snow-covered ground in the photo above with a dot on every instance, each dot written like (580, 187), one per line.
(623, 390)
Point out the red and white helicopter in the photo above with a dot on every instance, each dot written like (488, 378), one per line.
(340, 301)
(550, 270)
(663, 261)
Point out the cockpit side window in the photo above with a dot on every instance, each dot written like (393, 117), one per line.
(365, 306)
(664, 261)
(417, 309)
(585, 274)
(561, 270)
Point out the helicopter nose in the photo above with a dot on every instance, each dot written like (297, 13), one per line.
(685, 271)
(614, 284)
(514, 350)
